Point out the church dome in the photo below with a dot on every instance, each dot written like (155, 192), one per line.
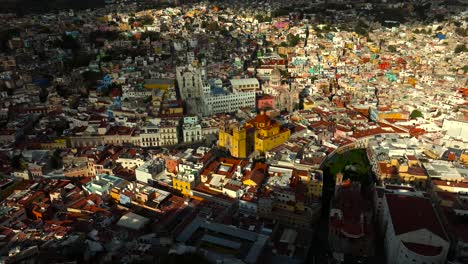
(276, 73)
(261, 120)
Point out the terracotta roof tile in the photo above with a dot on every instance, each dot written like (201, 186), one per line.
(410, 213)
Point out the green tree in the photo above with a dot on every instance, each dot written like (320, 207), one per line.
(69, 42)
(461, 31)
(152, 35)
(225, 31)
(148, 99)
(281, 12)
(260, 18)
(391, 48)
(415, 114)
(164, 28)
(293, 40)
(43, 94)
(146, 20)
(81, 59)
(91, 77)
(15, 162)
(213, 26)
(113, 23)
(460, 48)
(56, 160)
(73, 102)
(361, 29)
(5, 35)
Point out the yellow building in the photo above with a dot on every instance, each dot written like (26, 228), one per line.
(162, 84)
(184, 183)
(55, 144)
(115, 195)
(268, 133)
(173, 110)
(259, 134)
(464, 157)
(393, 115)
(234, 139)
(285, 50)
(308, 104)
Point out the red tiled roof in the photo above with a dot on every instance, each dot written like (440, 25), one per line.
(351, 204)
(262, 118)
(423, 250)
(232, 187)
(417, 170)
(207, 157)
(386, 169)
(410, 213)
(120, 130)
(85, 180)
(415, 132)
(257, 174)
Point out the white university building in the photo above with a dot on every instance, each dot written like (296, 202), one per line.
(213, 97)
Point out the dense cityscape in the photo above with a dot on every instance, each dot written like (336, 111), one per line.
(233, 131)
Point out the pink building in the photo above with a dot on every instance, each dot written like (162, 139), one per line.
(265, 101)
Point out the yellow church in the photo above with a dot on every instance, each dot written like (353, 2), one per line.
(259, 134)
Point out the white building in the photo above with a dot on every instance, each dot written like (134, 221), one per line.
(149, 169)
(246, 85)
(191, 129)
(130, 162)
(413, 232)
(103, 184)
(192, 120)
(443, 170)
(163, 134)
(192, 133)
(456, 129)
(129, 91)
(226, 102)
(201, 97)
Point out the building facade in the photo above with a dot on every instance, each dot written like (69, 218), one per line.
(260, 134)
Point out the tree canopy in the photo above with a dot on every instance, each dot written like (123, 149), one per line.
(293, 40)
(460, 48)
(415, 114)
(391, 48)
(146, 20)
